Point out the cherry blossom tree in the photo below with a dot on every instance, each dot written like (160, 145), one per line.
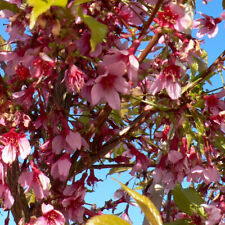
(117, 85)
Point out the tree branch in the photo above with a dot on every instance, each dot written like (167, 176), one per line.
(109, 166)
(149, 21)
(20, 207)
(112, 143)
(149, 47)
(202, 76)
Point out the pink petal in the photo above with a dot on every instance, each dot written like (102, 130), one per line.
(223, 15)
(46, 208)
(44, 180)
(118, 68)
(121, 85)
(134, 62)
(58, 144)
(173, 90)
(8, 154)
(8, 199)
(211, 175)
(174, 156)
(113, 99)
(157, 85)
(26, 179)
(24, 147)
(73, 140)
(97, 93)
(213, 32)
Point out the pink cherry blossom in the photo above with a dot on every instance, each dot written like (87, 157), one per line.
(71, 142)
(213, 214)
(74, 79)
(37, 180)
(43, 65)
(168, 79)
(199, 173)
(60, 169)
(125, 56)
(130, 14)
(174, 17)
(206, 25)
(14, 144)
(223, 15)
(50, 216)
(73, 201)
(6, 196)
(24, 97)
(142, 162)
(214, 104)
(108, 85)
(174, 156)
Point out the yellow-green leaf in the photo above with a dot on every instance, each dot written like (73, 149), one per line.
(41, 6)
(107, 220)
(151, 212)
(98, 30)
(79, 2)
(3, 45)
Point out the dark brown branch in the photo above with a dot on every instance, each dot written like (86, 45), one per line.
(149, 21)
(98, 122)
(168, 205)
(83, 165)
(202, 76)
(20, 207)
(149, 47)
(109, 166)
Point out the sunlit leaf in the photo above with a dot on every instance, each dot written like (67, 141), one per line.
(151, 212)
(79, 2)
(190, 85)
(98, 30)
(188, 200)
(106, 220)
(41, 6)
(118, 170)
(30, 196)
(9, 6)
(124, 109)
(3, 45)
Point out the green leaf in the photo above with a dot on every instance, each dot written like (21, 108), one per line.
(124, 109)
(118, 170)
(98, 30)
(79, 2)
(180, 222)
(219, 142)
(188, 200)
(41, 6)
(199, 123)
(223, 4)
(190, 85)
(3, 45)
(151, 212)
(9, 6)
(30, 197)
(106, 220)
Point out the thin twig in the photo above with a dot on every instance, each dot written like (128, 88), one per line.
(149, 21)
(149, 47)
(112, 143)
(109, 166)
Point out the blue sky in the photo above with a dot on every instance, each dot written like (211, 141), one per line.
(105, 190)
